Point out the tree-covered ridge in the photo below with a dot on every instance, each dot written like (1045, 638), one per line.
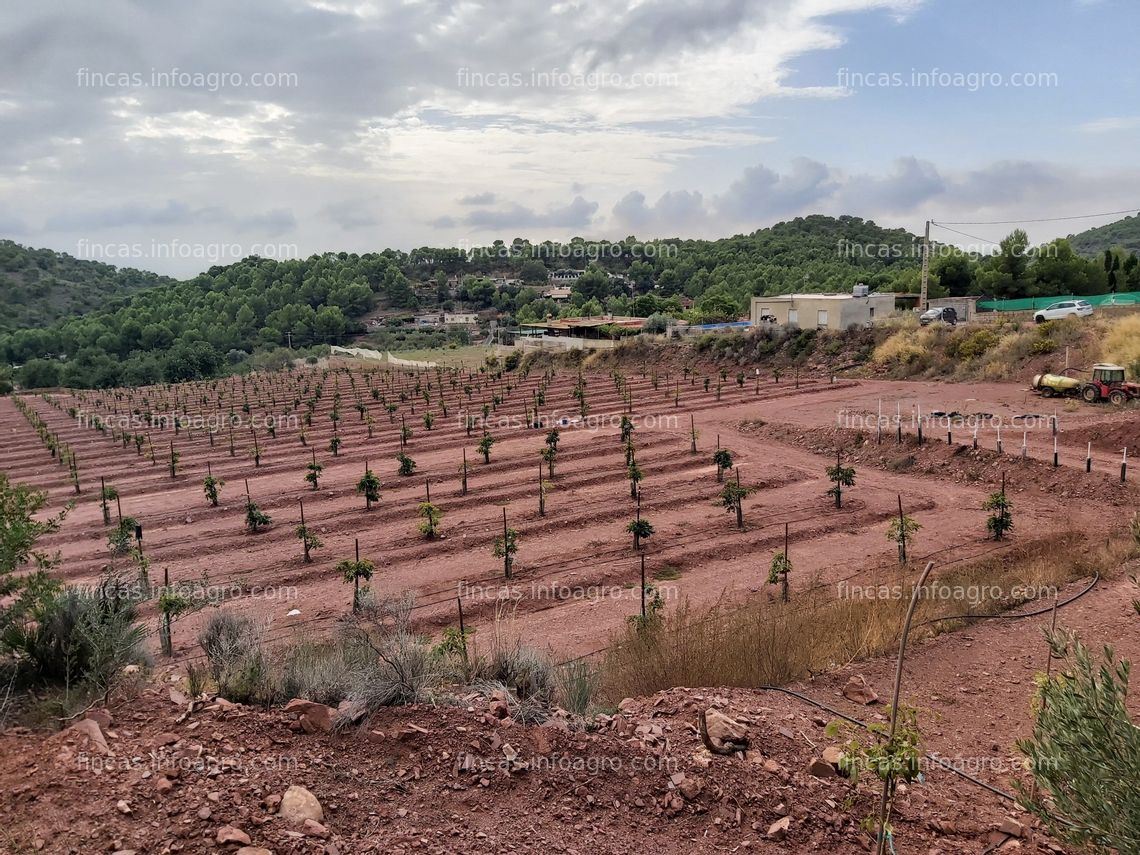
(40, 286)
(228, 315)
(1123, 234)
(190, 329)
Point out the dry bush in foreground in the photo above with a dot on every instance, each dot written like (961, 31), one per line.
(772, 643)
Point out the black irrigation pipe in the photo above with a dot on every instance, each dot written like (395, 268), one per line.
(1019, 615)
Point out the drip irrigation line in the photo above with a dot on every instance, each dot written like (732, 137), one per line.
(1019, 615)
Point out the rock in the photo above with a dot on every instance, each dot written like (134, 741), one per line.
(499, 709)
(820, 768)
(689, 789)
(778, 830)
(313, 717)
(298, 804)
(122, 807)
(723, 729)
(90, 729)
(254, 850)
(834, 755)
(229, 834)
(312, 828)
(859, 691)
(1011, 827)
(101, 717)
(163, 785)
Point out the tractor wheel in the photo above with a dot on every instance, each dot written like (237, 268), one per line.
(1091, 394)
(1047, 392)
(1117, 397)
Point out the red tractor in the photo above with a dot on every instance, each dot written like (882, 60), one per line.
(1108, 384)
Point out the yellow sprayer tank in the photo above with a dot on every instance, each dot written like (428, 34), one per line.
(1056, 383)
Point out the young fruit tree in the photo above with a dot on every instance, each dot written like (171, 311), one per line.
(902, 531)
(255, 518)
(107, 493)
(723, 460)
(641, 529)
(732, 499)
(407, 466)
(369, 485)
(485, 447)
(212, 487)
(635, 475)
(171, 606)
(313, 473)
(353, 571)
(841, 476)
(506, 546)
(430, 518)
(778, 572)
(1001, 514)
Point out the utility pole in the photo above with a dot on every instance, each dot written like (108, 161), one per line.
(289, 337)
(922, 298)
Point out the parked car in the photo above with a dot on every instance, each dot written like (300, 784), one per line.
(1064, 309)
(942, 314)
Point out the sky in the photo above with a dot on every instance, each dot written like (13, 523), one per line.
(171, 136)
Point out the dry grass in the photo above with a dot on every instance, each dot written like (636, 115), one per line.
(1122, 343)
(772, 643)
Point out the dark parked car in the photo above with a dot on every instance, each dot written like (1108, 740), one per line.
(943, 314)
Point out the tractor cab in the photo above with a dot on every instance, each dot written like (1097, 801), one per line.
(1108, 384)
(1108, 375)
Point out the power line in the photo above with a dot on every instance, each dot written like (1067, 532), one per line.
(1039, 220)
(964, 234)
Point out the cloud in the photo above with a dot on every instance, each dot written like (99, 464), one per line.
(761, 193)
(674, 211)
(486, 198)
(349, 214)
(1110, 124)
(577, 215)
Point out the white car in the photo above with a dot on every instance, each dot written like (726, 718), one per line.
(1064, 309)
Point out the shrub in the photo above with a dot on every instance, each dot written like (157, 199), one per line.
(1084, 751)
(236, 661)
(525, 671)
(577, 683)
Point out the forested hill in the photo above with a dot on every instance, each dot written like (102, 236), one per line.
(226, 316)
(39, 286)
(1123, 234)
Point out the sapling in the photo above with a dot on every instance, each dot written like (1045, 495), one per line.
(902, 530)
(312, 475)
(484, 446)
(255, 518)
(212, 487)
(107, 493)
(732, 499)
(723, 460)
(353, 571)
(1001, 517)
(841, 476)
(407, 465)
(506, 546)
(171, 606)
(550, 454)
(634, 473)
(369, 485)
(641, 529)
(781, 568)
(309, 540)
(430, 516)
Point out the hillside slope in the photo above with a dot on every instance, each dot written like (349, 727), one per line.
(41, 286)
(1124, 234)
